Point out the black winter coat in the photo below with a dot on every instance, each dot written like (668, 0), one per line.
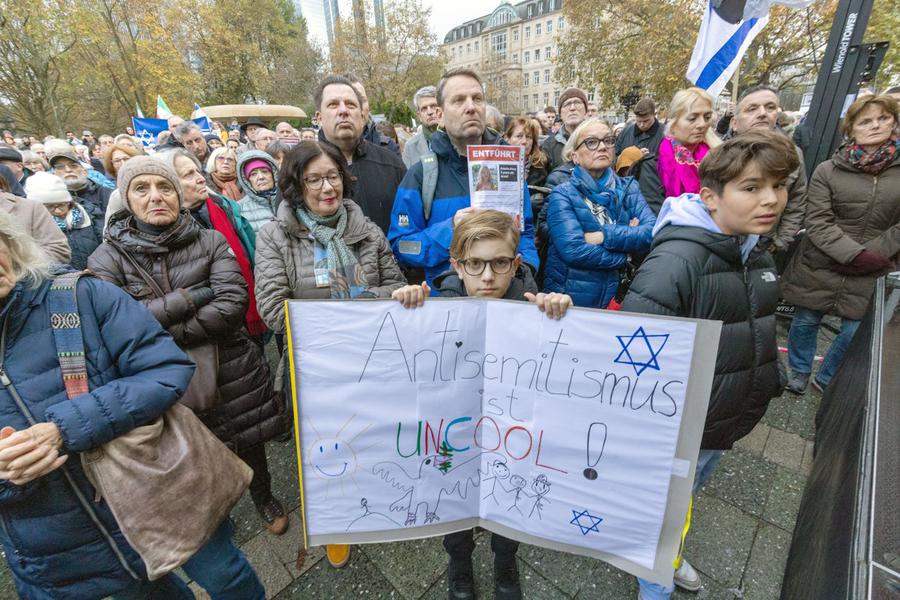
(692, 272)
(632, 136)
(378, 173)
(83, 242)
(94, 197)
(187, 257)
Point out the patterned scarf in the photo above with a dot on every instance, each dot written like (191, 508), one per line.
(679, 167)
(873, 163)
(72, 221)
(333, 258)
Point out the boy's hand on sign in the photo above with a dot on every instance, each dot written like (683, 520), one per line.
(553, 305)
(411, 296)
(463, 214)
(594, 237)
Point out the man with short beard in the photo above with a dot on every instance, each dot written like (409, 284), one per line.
(92, 196)
(757, 108)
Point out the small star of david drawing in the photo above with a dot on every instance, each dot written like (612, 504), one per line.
(588, 518)
(638, 350)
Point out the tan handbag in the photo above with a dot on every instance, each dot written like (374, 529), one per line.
(202, 393)
(169, 483)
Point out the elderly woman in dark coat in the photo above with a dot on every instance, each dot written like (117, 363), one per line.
(156, 246)
(852, 237)
(59, 543)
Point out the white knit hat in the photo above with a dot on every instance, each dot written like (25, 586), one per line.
(47, 188)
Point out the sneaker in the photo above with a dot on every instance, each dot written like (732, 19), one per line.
(272, 512)
(797, 382)
(687, 578)
(338, 555)
(460, 579)
(506, 581)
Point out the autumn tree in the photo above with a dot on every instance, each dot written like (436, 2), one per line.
(32, 46)
(884, 26)
(393, 60)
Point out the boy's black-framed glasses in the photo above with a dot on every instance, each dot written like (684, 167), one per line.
(499, 266)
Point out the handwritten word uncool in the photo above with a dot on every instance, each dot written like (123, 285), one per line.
(458, 435)
(555, 372)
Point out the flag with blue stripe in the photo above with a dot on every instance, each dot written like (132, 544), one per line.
(148, 130)
(728, 28)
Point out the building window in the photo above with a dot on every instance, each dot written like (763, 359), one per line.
(537, 54)
(555, 97)
(498, 44)
(537, 30)
(546, 75)
(536, 105)
(515, 35)
(561, 24)
(549, 27)
(536, 78)
(469, 48)
(547, 53)
(516, 57)
(528, 32)
(540, 9)
(590, 96)
(547, 98)
(527, 56)
(476, 46)
(524, 79)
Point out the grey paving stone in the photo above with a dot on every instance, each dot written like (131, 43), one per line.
(779, 412)
(283, 467)
(7, 586)
(762, 579)
(803, 415)
(270, 568)
(755, 441)
(711, 590)
(394, 561)
(720, 539)
(607, 583)
(743, 479)
(568, 572)
(784, 499)
(287, 546)
(247, 523)
(360, 579)
(785, 449)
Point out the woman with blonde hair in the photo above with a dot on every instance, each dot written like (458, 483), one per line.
(222, 169)
(674, 168)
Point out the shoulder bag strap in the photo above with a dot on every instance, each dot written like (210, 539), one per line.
(148, 279)
(65, 323)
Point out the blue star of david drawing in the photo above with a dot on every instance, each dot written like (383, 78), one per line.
(643, 346)
(146, 137)
(585, 529)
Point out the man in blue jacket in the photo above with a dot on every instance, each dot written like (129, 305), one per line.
(420, 237)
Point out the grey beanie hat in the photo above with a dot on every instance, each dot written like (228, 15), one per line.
(146, 165)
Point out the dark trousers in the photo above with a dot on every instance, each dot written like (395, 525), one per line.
(261, 484)
(461, 544)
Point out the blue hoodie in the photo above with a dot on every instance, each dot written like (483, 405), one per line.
(689, 210)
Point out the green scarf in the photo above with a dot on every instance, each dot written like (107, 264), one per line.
(345, 275)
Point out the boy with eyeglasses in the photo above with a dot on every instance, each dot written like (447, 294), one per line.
(485, 265)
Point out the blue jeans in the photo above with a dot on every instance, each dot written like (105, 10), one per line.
(707, 461)
(219, 567)
(802, 344)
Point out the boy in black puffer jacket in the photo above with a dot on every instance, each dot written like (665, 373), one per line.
(708, 261)
(486, 265)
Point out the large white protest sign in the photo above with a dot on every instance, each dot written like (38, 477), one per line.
(578, 434)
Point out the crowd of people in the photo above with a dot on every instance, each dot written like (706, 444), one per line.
(192, 245)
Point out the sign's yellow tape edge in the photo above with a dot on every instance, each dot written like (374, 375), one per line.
(290, 351)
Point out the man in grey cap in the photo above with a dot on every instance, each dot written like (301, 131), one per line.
(92, 196)
(12, 159)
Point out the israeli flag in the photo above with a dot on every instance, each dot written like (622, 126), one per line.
(147, 130)
(199, 117)
(728, 28)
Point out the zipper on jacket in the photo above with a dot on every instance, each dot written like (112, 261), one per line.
(752, 318)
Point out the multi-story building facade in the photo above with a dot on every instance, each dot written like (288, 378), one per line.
(513, 50)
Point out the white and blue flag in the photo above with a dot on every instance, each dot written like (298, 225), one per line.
(147, 130)
(728, 28)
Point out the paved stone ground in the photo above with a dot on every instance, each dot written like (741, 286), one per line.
(743, 519)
